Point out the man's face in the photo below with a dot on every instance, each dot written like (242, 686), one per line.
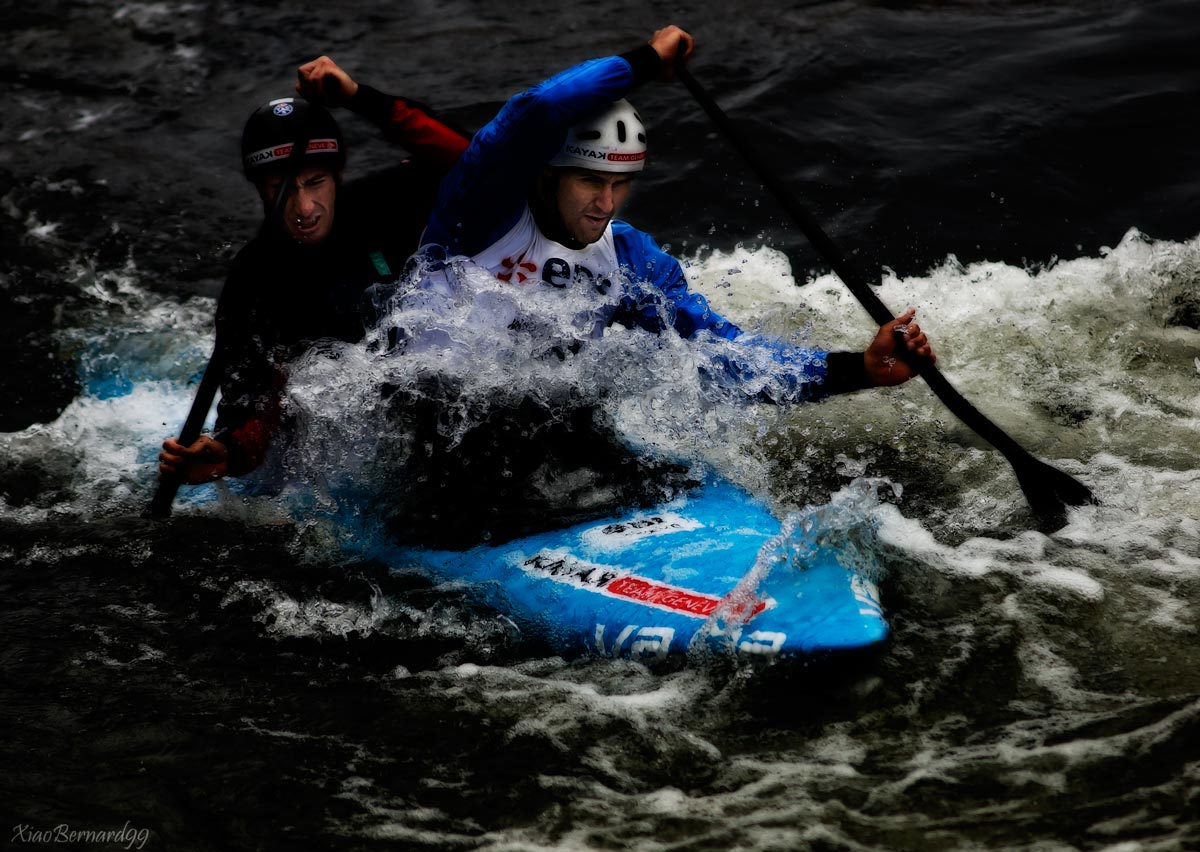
(587, 200)
(308, 215)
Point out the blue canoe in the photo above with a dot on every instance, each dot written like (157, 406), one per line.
(714, 567)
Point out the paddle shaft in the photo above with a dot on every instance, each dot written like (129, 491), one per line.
(168, 486)
(1024, 463)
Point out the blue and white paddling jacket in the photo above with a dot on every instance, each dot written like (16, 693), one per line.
(482, 212)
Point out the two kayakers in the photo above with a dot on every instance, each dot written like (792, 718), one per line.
(308, 273)
(532, 199)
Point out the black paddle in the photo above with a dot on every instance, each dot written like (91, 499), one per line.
(1049, 490)
(168, 486)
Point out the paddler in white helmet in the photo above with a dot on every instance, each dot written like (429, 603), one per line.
(534, 200)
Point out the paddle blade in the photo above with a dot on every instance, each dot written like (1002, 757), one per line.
(1050, 492)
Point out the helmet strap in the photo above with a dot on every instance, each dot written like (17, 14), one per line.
(543, 203)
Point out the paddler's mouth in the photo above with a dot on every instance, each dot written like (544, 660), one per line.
(596, 224)
(305, 228)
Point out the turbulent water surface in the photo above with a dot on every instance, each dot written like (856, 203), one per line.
(249, 675)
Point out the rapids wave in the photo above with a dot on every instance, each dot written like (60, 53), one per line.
(1088, 633)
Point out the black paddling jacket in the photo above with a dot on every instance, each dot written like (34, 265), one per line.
(281, 295)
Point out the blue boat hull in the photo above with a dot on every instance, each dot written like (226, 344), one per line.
(712, 569)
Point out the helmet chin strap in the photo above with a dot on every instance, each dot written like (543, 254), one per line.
(543, 203)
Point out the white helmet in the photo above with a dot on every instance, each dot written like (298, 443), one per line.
(610, 141)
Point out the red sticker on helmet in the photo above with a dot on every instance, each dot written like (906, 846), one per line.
(282, 152)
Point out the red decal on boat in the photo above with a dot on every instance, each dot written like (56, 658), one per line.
(672, 598)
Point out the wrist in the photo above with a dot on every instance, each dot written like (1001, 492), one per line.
(370, 103)
(645, 62)
(846, 372)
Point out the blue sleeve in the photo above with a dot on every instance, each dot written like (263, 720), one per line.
(484, 194)
(764, 369)
(645, 263)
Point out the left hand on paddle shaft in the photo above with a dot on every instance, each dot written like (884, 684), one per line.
(324, 82)
(666, 43)
(899, 348)
(204, 460)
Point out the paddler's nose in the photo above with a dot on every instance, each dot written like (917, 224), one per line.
(604, 200)
(305, 202)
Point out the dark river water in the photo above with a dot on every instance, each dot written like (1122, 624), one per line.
(251, 675)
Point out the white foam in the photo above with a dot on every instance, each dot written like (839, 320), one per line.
(313, 617)
(1074, 360)
(752, 287)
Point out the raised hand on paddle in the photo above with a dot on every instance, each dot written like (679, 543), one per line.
(323, 81)
(672, 45)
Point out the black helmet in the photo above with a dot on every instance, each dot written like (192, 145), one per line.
(272, 129)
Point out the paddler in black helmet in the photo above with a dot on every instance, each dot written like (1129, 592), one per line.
(320, 250)
(267, 142)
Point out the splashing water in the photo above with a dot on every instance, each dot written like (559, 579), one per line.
(1022, 665)
(459, 354)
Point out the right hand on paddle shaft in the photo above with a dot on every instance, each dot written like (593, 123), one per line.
(322, 81)
(666, 44)
(900, 347)
(205, 460)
